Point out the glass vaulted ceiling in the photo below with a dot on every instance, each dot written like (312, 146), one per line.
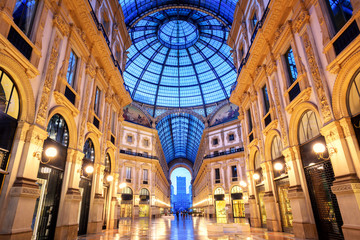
(180, 136)
(179, 58)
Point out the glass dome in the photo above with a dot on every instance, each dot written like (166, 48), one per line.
(179, 58)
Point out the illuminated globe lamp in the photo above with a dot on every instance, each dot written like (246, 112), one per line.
(51, 152)
(256, 176)
(122, 185)
(243, 183)
(109, 178)
(320, 148)
(89, 169)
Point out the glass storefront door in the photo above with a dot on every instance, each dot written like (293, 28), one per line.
(261, 192)
(126, 210)
(284, 202)
(238, 208)
(143, 210)
(220, 209)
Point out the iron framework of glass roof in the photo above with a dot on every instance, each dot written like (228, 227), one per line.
(180, 135)
(179, 58)
(134, 9)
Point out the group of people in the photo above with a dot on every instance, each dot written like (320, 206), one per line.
(183, 214)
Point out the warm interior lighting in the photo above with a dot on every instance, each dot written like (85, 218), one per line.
(122, 185)
(89, 169)
(109, 178)
(198, 203)
(278, 166)
(243, 183)
(256, 176)
(51, 152)
(319, 148)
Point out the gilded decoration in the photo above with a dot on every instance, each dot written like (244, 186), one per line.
(61, 24)
(315, 72)
(50, 74)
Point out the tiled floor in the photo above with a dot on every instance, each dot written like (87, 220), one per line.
(178, 229)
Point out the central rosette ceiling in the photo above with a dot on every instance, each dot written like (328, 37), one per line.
(179, 58)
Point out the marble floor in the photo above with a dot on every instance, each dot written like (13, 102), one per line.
(178, 229)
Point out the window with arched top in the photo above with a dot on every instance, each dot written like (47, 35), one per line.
(144, 192)
(89, 150)
(107, 163)
(276, 148)
(353, 96)
(308, 127)
(127, 190)
(257, 161)
(9, 96)
(219, 191)
(236, 189)
(58, 130)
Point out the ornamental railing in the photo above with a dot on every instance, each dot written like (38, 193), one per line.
(137, 154)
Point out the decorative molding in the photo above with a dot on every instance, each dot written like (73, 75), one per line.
(49, 78)
(315, 72)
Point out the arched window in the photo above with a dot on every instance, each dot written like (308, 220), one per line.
(144, 192)
(276, 147)
(107, 163)
(9, 96)
(127, 190)
(89, 150)
(353, 98)
(58, 130)
(219, 191)
(236, 189)
(308, 127)
(257, 161)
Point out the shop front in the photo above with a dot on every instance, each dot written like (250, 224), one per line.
(85, 185)
(319, 176)
(238, 205)
(126, 207)
(108, 178)
(144, 208)
(220, 203)
(282, 184)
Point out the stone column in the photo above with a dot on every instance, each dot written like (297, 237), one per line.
(255, 220)
(95, 216)
(346, 186)
(273, 221)
(303, 226)
(20, 200)
(67, 225)
(114, 202)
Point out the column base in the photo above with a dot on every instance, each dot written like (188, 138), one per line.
(304, 230)
(16, 236)
(273, 225)
(66, 232)
(351, 232)
(94, 227)
(255, 222)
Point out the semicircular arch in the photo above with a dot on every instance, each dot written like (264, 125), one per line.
(94, 138)
(268, 142)
(23, 85)
(296, 117)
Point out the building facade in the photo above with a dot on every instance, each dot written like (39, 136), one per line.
(297, 94)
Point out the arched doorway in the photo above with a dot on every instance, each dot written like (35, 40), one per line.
(144, 209)
(108, 178)
(220, 203)
(282, 183)
(237, 202)
(126, 203)
(9, 113)
(181, 190)
(319, 176)
(50, 178)
(260, 188)
(85, 185)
